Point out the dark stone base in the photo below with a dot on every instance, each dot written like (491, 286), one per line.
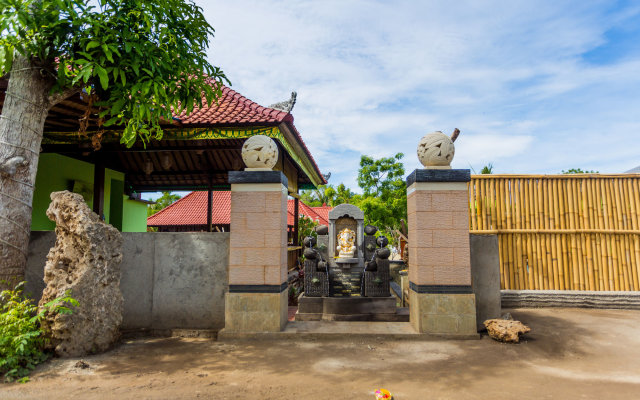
(350, 309)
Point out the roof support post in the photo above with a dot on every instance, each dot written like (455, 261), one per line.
(209, 206)
(296, 213)
(98, 189)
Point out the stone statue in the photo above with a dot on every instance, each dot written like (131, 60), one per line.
(436, 150)
(376, 273)
(259, 153)
(346, 240)
(316, 273)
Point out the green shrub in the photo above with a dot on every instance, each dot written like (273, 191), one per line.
(22, 339)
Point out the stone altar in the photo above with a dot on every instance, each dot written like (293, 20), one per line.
(346, 273)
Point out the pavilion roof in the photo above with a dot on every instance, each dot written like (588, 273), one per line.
(202, 145)
(192, 210)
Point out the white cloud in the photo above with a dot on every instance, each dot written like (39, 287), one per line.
(373, 77)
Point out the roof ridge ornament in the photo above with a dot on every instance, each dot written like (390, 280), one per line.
(286, 105)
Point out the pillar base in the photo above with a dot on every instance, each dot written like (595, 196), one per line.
(443, 313)
(255, 312)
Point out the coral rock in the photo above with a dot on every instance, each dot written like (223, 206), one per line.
(85, 259)
(508, 331)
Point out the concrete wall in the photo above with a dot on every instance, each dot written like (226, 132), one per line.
(485, 277)
(570, 298)
(169, 280)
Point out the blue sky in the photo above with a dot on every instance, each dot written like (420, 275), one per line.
(534, 87)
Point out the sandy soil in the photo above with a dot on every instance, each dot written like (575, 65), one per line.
(570, 354)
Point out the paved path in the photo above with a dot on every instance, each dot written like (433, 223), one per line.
(570, 354)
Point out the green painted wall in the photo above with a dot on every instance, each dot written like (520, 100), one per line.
(134, 217)
(57, 172)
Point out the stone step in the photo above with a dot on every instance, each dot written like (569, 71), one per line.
(400, 315)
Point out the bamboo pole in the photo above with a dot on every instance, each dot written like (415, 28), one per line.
(618, 201)
(494, 204)
(472, 204)
(610, 211)
(599, 203)
(518, 261)
(626, 203)
(531, 262)
(512, 275)
(633, 274)
(503, 204)
(503, 271)
(622, 258)
(551, 271)
(541, 264)
(636, 250)
(591, 204)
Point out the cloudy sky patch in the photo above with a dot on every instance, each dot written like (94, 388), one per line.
(535, 87)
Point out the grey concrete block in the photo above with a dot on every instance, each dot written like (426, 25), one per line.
(136, 279)
(40, 243)
(168, 280)
(571, 298)
(485, 277)
(190, 280)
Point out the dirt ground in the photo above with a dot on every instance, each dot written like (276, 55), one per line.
(570, 354)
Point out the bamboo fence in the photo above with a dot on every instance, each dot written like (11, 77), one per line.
(561, 232)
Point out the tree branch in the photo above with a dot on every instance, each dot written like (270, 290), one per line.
(56, 98)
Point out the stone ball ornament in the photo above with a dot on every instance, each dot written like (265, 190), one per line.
(436, 150)
(260, 152)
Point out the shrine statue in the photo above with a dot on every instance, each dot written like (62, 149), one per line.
(346, 240)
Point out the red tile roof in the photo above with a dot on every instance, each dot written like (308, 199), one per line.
(318, 214)
(233, 108)
(192, 210)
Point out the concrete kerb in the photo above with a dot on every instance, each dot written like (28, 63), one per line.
(339, 330)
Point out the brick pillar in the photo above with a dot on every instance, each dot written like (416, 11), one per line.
(441, 299)
(257, 297)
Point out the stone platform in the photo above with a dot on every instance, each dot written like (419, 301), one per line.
(381, 309)
(341, 330)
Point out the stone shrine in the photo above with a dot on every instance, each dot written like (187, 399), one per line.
(346, 272)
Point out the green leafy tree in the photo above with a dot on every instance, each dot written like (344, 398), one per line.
(382, 177)
(384, 198)
(487, 169)
(328, 194)
(306, 228)
(162, 202)
(578, 171)
(134, 61)
(317, 197)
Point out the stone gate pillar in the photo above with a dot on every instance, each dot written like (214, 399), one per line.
(257, 297)
(441, 299)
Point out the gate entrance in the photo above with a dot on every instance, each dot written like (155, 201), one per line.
(346, 272)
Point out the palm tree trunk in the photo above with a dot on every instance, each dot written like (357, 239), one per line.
(25, 109)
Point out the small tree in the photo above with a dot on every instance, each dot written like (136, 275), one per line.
(162, 202)
(487, 169)
(384, 198)
(135, 61)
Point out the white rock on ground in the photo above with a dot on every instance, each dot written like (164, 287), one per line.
(504, 330)
(86, 259)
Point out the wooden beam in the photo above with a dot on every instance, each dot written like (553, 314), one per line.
(160, 174)
(296, 211)
(109, 148)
